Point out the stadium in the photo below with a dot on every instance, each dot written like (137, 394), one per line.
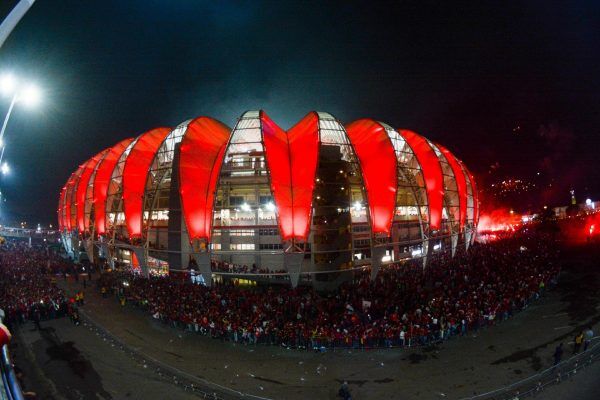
(307, 204)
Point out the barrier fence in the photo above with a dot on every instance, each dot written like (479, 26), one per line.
(536, 384)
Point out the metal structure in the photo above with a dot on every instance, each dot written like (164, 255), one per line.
(320, 198)
(13, 18)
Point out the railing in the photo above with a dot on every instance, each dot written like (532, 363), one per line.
(537, 383)
(26, 232)
(9, 387)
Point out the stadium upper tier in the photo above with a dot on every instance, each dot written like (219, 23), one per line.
(318, 197)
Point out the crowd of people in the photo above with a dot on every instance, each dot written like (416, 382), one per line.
(28, 289)
(405, 305)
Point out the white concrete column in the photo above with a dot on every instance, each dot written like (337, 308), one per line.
(293, 265)
(426, 249)
(377, 254)
(89, 249)
(468, 233)
(454, 242)
(203, 262)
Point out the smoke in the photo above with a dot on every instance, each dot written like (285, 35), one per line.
(500, 219)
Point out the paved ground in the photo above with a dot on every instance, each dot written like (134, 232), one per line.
(462, 367)
(73, 362)
(585, 385)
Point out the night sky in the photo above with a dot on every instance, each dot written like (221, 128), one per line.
(510, 84)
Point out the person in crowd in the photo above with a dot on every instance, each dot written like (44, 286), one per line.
(588, 336)
(75, 317)
(37, 317)
(558, 352)
(344, 391)
(577, 342)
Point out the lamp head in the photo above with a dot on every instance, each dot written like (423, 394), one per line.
(30, 95)
(8, 84)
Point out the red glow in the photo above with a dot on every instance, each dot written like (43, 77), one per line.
(292, 160)
(61, 207)
(82, 187)
(101, 181)
(70, 199)
(584, 228)
(67, 202)
(135, 174)
(378, 162)
(476, 210)
(135, 263)
(498, 221)
(432, 174)
(591, 223)
(202, 150)
(461, 184)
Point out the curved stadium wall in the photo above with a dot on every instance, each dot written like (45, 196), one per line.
(316, 199)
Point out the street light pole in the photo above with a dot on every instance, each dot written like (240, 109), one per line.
(28, 94)
(12, 105)
(13, 19)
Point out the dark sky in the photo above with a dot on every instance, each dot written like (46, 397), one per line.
(463, 76)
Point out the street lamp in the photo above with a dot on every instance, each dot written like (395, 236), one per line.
(29, 95)
(5, 169)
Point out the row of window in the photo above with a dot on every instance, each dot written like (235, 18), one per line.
(241, 246)
(249, 246)
(362, 243)
(270, 246)
(249, 232)
(239, 200)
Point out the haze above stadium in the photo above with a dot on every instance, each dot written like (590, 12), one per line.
(513, 87)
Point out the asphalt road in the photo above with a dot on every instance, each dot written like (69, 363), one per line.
(74, 362)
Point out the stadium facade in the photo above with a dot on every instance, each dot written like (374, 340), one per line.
(314, 200)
